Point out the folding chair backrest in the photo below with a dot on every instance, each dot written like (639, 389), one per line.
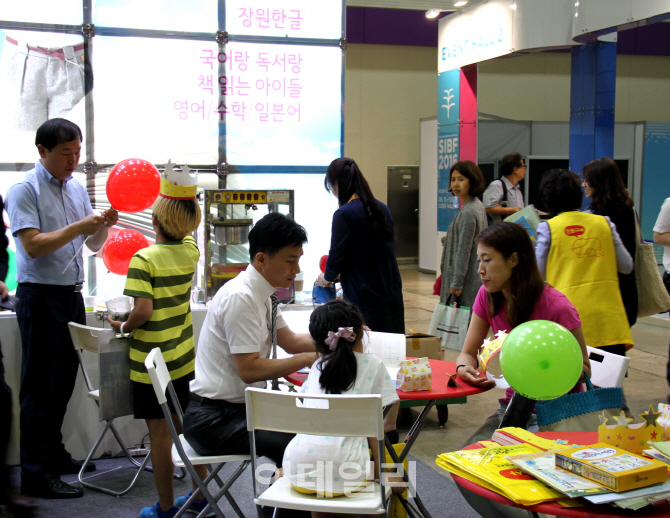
(346, 415)
(158, 372)
(87, 337)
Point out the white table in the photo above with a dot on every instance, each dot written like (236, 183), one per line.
(81, 426)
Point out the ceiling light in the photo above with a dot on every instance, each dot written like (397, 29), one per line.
(433, 13)
(460, 3)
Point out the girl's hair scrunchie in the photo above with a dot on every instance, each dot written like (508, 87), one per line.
(342, 332)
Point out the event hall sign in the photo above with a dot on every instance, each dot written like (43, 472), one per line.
(499, 27)
(471, 36)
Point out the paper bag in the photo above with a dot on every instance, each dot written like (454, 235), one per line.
(414, 375)
(450, 323)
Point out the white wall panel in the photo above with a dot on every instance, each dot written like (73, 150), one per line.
(428, 195)
(496, 139)
(550, 138)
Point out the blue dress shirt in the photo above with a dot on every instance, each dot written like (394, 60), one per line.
(40, 201)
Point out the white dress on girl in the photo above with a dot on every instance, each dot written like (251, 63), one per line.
(336, 465)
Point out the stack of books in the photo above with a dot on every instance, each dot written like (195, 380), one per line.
(659, 451)
(600, 473)
(529, 470)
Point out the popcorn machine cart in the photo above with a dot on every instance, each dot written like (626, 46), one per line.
(223, 237)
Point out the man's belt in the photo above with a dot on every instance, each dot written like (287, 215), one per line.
(216, 403)
(76, 288)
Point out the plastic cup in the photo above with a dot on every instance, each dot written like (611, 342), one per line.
(299, 281)
(118, 308)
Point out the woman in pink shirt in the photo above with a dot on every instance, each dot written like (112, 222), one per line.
(512, 293)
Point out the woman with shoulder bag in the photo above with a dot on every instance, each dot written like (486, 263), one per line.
(459, 255)
(609, 197)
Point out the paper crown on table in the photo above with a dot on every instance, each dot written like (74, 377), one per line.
(632, 437)
(489, 349)
(176, 184)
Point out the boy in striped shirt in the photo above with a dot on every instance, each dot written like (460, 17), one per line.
(159, 278)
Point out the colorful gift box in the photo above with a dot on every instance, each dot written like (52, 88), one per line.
(414, 375)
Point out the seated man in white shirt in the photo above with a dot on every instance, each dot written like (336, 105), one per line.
(236, 341)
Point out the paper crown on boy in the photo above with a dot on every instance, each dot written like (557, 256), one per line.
(630, 436)
(176, 184)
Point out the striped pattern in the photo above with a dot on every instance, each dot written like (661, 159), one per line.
(163, 273)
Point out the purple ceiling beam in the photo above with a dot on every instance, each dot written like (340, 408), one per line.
(390, 27)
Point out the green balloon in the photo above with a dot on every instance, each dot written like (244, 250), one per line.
(10, 281)
(541, 359)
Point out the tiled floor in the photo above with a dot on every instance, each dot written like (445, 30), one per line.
(645, 384)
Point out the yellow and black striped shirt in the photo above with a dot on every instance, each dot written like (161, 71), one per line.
(163, 273)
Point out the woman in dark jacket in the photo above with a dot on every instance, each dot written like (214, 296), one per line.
(609, 197)
(362, 250)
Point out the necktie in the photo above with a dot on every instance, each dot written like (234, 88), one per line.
(273, 332)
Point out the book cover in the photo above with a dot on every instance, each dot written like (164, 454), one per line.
(543, 467)
(612, 467)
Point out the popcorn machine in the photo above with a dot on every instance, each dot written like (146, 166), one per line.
(228, 215)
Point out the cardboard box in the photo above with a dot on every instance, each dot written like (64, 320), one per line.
(612, 467)
(420, 345)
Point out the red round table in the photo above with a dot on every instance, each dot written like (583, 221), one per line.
(552, 508)
(441, 371)
(440, 391)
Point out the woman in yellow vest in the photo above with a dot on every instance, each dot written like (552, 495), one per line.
(581, 254)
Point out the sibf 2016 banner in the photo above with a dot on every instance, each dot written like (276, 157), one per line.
(448, 99)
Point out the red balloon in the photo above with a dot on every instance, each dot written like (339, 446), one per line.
(133, 185)
(322, 263)
(119, 250)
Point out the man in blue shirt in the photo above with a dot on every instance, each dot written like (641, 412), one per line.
(50, 217)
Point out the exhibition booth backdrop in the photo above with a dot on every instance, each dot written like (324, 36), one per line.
(498, 28)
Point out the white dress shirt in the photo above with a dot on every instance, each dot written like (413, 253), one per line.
(238, 321)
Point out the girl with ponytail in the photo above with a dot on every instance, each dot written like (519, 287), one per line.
(334, 466)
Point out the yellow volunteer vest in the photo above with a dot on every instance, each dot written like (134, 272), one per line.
(582, 266)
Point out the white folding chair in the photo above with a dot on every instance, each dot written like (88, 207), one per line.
(183, 455)
(113, 398)
(346, 416)
(607, 369)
